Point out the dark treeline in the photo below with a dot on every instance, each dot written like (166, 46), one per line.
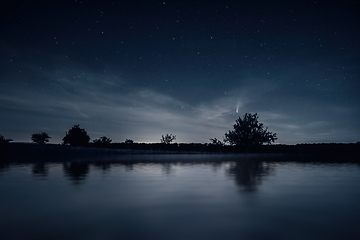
(350, 148)
(90, 148)
(248, 136)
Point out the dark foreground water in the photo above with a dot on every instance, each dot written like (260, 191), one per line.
(180, 197)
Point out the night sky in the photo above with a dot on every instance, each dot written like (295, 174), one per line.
(141, 69)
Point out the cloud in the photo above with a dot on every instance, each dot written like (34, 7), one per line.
(125, 111)
(105, 104)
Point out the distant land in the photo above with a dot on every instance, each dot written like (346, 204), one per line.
(33, 151)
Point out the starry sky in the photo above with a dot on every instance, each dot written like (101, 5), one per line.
(141, 69)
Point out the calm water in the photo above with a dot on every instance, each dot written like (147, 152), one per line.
(180, 197)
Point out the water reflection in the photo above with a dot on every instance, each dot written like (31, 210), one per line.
(76, 171)
(104, 167)
(167, 168)
(216, 166)
(248, 174)
(135, 199)
(129, 167)
(4, 166)
(40, 169)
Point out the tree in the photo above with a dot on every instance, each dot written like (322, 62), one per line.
(129, 141)
(167, 139)
(4, 140)
(248, 131)
(76, 137)
(216, 142)
(102, 141)
(40, 138)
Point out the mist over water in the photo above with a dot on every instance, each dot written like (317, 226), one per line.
(180, 197)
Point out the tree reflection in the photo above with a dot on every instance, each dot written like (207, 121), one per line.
(104, 166)
(40, 169)
(248, 174)
(76, 171)
(216, 166)
(166, 168)
(129, 167)
(4, 166)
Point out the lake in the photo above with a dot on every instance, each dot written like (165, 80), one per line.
(181, 197)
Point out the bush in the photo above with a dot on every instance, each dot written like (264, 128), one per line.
(4, 140)
(40, 138)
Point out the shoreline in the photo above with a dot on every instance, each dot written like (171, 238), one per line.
(27, 152)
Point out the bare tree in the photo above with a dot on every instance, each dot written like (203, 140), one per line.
(167, 139)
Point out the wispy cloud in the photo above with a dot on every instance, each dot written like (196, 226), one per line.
(105, 104)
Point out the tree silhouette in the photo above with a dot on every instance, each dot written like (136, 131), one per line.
(167, 139)
(129, 141)
(248, 131)
(76, 137)
(102, 141)
(4, 140)
(40, 138)
(216, 142)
